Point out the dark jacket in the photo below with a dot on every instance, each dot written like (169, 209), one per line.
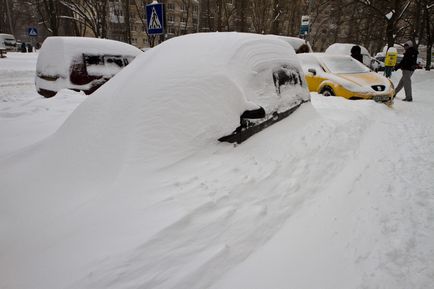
(356, 53)
(409, 61)
(358, 57)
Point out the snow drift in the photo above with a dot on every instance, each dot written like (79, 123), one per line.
(339, 195)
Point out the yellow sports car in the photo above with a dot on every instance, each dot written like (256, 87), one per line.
(341, 75)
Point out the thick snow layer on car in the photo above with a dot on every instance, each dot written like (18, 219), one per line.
(295, 42)
(344, 48)
(169, 103)
(186, 92)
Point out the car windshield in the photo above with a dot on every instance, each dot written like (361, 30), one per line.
(339, 64)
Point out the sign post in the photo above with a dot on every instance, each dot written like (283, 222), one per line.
(155, 20)
(304, 27)
(32, 32)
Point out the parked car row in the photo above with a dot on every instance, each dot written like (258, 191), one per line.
(269, 63)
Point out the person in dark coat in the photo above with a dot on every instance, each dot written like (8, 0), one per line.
(356, 53)
(23, 48)
(407, 65)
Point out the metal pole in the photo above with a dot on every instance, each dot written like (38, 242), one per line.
(8, 11)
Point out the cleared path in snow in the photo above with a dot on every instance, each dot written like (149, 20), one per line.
(372, 225)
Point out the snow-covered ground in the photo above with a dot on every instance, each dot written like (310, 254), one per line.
(338, 195)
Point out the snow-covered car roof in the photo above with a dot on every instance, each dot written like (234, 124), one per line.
(295, 42)
(329, 60)
(345, 48)
(57, 52)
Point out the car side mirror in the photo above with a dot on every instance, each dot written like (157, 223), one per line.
(312, 70)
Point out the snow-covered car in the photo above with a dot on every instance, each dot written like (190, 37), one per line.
(341, 75)
(7, 43)
(204, 87)
(80, 63)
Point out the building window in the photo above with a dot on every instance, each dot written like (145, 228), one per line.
(170, 6)
(184, 7)
(171, 18)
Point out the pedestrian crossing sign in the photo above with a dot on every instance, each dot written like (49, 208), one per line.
(155, 18)
(32, 31)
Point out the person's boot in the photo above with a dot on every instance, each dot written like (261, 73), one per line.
(408, 99)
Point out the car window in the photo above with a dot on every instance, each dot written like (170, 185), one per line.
(116, 60)
(93, 60)
(339, 64)
(8, 41)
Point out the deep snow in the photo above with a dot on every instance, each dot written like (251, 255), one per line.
(339, 195)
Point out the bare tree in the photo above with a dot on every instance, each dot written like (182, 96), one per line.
(428, 10)
(92, 13)
(126, 9)
(261, 11)
(241, 12)
(49, 12)
(390, 11)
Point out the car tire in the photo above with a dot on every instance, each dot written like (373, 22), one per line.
(327, 91)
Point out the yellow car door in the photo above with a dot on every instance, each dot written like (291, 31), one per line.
(313, 81)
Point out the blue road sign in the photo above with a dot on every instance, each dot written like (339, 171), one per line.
(32, 31)
(155, 18)
(304, 29)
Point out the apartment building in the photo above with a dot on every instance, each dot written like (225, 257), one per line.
(182, 17)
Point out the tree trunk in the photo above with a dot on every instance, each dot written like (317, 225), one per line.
(127, 21)
(275, 20)
(219, 14)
